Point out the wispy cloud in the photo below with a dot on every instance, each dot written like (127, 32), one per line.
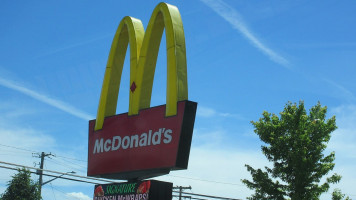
(78, 44)
(342, 91)
(209, 112)
(236, 21)
(43, 98)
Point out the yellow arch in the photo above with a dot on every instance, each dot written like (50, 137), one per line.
(168, 17)
(143, 62)
(131, 31)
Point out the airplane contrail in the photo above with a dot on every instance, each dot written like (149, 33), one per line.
(45, 99)
(233, 17)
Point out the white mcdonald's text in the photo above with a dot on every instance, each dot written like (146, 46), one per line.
(127, 142)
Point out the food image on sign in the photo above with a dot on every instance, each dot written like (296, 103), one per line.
(99, 192)
(144, 187)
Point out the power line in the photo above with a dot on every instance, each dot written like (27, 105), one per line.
(50, 175)
(72, 159)
(19, 148)
(209, 196)
(204, 180)
(14, 151)
(32, 151)
(189, 197)
(56, 172)
(53, 192)
(79, 168)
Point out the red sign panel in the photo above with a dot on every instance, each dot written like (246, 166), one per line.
(143, 145)
(138, 190)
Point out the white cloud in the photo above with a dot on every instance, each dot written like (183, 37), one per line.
(53, 192)
(79, 195)
(45, 99)
(210, 112)
(18, 143)
(26, 138)
(343, 142)
(215, 171)
(205, 112)
(344, 138)
(234, 18)
(216, 168)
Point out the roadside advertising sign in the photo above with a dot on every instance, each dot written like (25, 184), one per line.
(146, 141)
(141, 190)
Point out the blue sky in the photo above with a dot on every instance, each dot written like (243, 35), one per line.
(243, 57)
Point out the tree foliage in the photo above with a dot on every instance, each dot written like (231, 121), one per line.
(21, 187)
(338, 195)
(295, 145)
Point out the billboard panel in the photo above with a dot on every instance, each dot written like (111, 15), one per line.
(141, 190)
(143, 145)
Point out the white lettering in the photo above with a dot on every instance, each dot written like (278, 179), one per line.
(134, 139)
(98, 146)
(167, 136)
(143, 140)
(156, 139)
(149, 137)
(127, 139)
(106, 147)
(161, 136)
(118, 139)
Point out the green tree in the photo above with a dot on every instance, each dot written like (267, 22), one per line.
(295, 144)
(21, 187)
(337, 195)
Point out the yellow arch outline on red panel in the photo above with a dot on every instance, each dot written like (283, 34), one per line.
(142, 69)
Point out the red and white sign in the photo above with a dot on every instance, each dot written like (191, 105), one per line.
(141, 146)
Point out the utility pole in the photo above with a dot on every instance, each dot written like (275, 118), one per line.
(181, 190)
(40, 172)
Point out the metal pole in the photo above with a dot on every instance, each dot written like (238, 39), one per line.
(180, 192)
(41, 172)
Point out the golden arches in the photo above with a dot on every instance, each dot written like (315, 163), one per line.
(143, 56)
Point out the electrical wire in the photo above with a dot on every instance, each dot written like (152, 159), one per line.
(14, 151)
(67, 166)
(56, 172)
(204, 180)
(53, 192)
(71, 179)
(189, 197)
(209, 196)
(72, 158)
(32, 151)
(19, 148)
(66, 160)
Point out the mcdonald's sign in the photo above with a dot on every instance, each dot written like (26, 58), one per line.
(145, 142)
